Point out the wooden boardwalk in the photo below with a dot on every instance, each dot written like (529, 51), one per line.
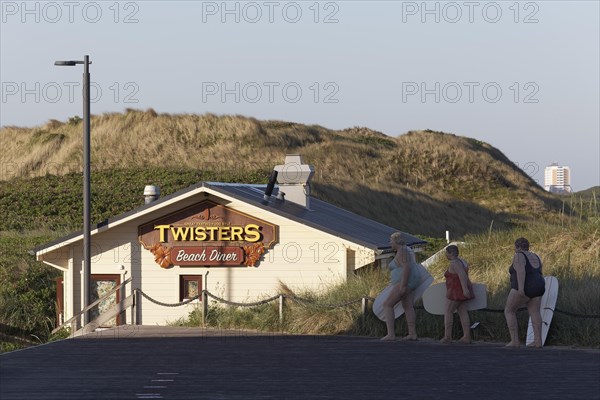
(193, 363)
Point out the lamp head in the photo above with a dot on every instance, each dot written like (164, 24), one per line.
(67, 63)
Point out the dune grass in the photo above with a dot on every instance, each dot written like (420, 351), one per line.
(422, 182)
(417, 167)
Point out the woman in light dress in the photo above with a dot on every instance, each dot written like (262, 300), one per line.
(405, 279)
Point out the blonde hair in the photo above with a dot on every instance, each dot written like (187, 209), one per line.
(397, 238)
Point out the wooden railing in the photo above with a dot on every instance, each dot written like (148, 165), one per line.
(107, 315)
(94, 304)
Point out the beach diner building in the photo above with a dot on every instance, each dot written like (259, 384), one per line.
(237, 241)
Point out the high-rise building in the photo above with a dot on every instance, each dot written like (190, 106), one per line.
(557, 179)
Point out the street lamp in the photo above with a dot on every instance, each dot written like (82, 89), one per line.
(86, 179)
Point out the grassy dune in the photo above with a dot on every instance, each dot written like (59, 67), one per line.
(447, 182)
(422, 182)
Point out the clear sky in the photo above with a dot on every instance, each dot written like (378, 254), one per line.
(522, 76)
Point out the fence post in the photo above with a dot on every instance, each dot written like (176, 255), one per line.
(135, 310)
(204, 307)
(281, 309)
(364, 308)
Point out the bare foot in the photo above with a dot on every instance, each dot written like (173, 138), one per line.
(465, 340)
(445, 340)
(512, 344)
(388, 338)
(535, 345)
(410, 337)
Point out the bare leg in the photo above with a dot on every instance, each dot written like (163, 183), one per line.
(533, 306)
(388, 311)
(513, 302)
(389, 323)
(409, 313)
(464, 322)
(448, 321)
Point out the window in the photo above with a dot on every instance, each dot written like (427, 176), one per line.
(189, 286)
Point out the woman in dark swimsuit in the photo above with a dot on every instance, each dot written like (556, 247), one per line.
(527, 287)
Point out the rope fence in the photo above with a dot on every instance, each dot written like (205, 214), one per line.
(205, 294)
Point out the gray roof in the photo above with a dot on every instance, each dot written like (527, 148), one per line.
(322, 216)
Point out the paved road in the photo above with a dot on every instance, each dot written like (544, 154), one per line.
(194, 363)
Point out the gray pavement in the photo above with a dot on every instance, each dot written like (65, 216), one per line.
(195, 363)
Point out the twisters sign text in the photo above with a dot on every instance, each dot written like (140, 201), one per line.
(207, 233)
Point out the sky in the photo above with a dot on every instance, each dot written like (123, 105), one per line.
(522, 76)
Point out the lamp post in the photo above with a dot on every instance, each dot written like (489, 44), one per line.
(86, 179)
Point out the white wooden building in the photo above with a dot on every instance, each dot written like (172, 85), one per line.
(231, 239)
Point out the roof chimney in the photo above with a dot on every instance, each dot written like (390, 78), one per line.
(293, 178)
(151, 193)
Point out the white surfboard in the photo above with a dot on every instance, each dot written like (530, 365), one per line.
(434, 298)
(546, 309)
(398, 309)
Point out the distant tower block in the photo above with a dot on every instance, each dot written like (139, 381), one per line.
(557, 179)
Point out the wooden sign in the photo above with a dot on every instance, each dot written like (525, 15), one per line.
(207, 233)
